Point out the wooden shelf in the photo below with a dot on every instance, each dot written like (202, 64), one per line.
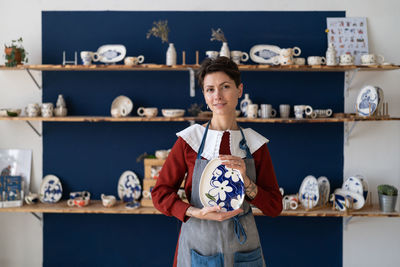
(159, 67)
(95, 207)
(182, 119)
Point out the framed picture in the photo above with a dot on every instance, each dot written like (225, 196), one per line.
(349, 36)
(17, 162)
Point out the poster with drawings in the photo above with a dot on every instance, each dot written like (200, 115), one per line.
(16, 162)
(349, 35)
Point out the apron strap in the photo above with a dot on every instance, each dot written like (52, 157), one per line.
(203, 141)
(238, 228)
(243, 145)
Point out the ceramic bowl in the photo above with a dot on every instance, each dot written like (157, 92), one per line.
(121, 106)
(11, 112)
(173, 113)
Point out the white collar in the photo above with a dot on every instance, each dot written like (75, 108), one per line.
(194, 134)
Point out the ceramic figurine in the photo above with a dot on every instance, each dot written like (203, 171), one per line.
(171, 55)
(331, 55)
(244, 103)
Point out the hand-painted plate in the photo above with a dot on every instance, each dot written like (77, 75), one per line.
(50, 189)
(353, 184)
(265, 54)
(309, 192)
(324, 190)
(110, 53)
(343, 199)
(367, 101)
(221, 186)
(129, 188)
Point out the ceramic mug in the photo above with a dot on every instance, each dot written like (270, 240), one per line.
(238, 56)
(87, 57)
(291, 201)
(32, 110)
(108, 201)
(372, 59)
(313, 60)
(266, 111)
(212, 54)
(299, 61)
(78, 201)
(47, 109)
(346, 59)
(252, 111)
(300, 110)
(82, 194)
(147, 112)
(130, 61)
(284, 110)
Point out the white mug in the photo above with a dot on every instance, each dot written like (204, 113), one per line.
(372, 59)
(212, 54)
(300, 110)
(130, 61)
(147, 112)
(313, 60)
(284, 110)
(299, 61)
(346, 59)
(252, 111)
(87, 57)
(238, 56)
(266, 111)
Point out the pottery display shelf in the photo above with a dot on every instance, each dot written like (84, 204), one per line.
(96, 207)
(182, 119)
(159, 67)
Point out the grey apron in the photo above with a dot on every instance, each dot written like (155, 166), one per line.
(233, 242)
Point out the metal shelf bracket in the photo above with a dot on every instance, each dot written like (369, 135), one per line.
(40, 218)
(33, 128)
(348, 79)
(34, 80)
(347, 130)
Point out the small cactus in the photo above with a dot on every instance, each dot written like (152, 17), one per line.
(387, 190)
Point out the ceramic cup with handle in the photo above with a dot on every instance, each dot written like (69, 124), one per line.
(130, 61)
(314, 60)
(372, 59)
(212, 54)
(239, 56)
(284, 110)
(252, 111)
(87, 57)
(266, 111)
(346, 59)
(147, 112)
(300, 110)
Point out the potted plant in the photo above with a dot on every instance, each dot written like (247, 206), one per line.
(15, 53)
(160, 29)
(387, 197)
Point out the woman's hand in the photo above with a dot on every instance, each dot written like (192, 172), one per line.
(211, 213)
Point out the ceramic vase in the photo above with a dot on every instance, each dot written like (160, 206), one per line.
(225, 50)
(171, 55)
(331, 55)
(245, 103)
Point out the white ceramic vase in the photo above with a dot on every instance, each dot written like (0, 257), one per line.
(171, 55)
(225, 50)
(331, 55)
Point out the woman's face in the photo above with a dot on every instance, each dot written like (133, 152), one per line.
(221, 93)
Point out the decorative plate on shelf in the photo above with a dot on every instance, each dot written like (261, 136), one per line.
(343, 199)
(324, 189)
(221, 186)
(353, 184)
(309, 192)
(110, 53)
(50, 189)
(265, 54)
(129, 188)
(367, 101)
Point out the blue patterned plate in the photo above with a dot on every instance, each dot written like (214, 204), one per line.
(50, 189)
(309, 192)
(129, 188)
(221, 186)
(367, 101)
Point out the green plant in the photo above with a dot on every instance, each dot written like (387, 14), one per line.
(388, 190)
(15, 53)
(160, 29)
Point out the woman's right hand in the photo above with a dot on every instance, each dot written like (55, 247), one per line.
(211, 213)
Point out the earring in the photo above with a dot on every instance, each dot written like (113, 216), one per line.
(207, 107)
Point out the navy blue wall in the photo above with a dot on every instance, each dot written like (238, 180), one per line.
(92, 156)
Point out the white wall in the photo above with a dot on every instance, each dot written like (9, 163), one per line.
(373, 148)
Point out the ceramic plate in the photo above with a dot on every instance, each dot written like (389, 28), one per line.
(368, 96)
(129, 188)
(121, 106)
(340, 199)
(324, 190)
(264, 54)
(309, 192)
(353, 184)
(221, 186)
(111, 53)
(50, 189)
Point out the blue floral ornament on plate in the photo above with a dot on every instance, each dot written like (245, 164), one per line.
(129, 188)
(50, 189)
(221, 186)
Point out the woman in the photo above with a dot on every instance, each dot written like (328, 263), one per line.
(210, 237)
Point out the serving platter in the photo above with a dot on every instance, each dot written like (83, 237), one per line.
(110, 53)
(129, 188)
(221, 186)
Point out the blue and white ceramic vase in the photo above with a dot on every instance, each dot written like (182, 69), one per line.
(244, 104)
(171, 55)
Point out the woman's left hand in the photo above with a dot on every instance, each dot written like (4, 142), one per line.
(234, 162)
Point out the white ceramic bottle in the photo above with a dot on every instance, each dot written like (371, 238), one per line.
(171, 55)
(60, 101)
(244, 104)
(331, 55)
(225, 50)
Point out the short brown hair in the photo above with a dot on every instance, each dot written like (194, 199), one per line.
(223, 64)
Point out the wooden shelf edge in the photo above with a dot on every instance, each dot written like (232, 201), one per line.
(160, 67)
(183, 119)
